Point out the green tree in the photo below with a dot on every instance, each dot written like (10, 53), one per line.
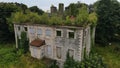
(36, 10)
(55, 20)
(18, 17)
(6, 27)
(68, 21)
(44, 19)
(32, 17)
(29, 17)
(108, 21)
(73, 9)
(82, 17)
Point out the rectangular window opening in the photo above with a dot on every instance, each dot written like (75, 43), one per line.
(25, 28)
(48, 32)
(39, 32)
(71, 35)
(32, 30)
(18, 27)
(58, 33)
(58, 52)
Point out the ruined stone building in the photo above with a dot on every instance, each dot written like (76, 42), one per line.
(55, 41)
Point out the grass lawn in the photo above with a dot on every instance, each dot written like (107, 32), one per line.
(111, 54)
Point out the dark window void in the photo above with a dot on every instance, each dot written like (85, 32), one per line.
(71, 35)
(18, 27)
(25, 28)
(58, 33)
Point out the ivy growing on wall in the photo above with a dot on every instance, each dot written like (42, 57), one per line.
(23, 43)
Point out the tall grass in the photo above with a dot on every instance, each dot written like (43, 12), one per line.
(9, 58)
(111, 54)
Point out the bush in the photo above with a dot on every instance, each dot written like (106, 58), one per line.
(7, 56)
(93, 61)
(70, 62)
(54, 65)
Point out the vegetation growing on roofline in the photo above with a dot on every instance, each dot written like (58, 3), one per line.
(83, 18)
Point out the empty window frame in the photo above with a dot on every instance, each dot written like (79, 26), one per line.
(25, 28)
(49, 50)
(59, 33)
(32, 30)
(58, 52)
(71, 34)
(39, 32)
(18, 28)
(48, 32)
(71, 52)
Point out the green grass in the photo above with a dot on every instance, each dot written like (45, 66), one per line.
(111, 54)
(10, 59)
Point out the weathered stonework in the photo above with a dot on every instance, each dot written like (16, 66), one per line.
(57, 46)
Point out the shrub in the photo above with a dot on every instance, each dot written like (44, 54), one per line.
(54, 65)
(93, 61)
(7, 56)
(82, 17)
(70, 62)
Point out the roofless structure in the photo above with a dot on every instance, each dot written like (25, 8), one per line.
(54, 41)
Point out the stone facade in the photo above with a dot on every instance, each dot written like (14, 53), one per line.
(58, 40)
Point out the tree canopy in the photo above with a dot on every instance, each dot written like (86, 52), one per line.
(36, 9)
(108, 28)
(73, 8)
(6, 28)
(6, 25)
(82, 19)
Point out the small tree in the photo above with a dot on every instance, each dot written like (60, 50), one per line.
(82, 17)
(55, 20)
(36, 10)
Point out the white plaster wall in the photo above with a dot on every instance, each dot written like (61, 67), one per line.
(77, 44)
(38, 52)
(88, 41)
